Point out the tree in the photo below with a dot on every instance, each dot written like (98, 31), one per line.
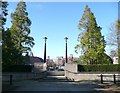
(3, 15)
(9, 52)
(20, 29)
(16, 40)
(118, 26)
(90, 38)
(10, 55)
(114, 37)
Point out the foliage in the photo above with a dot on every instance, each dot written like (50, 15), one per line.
(118, 39)
(26, 58)
(3, 15)
(16, 40)
(6, 39)
(99, 68)
(20, 29)
(114, 37)
(10, 55)
(91, 41)
(17, 68)
(105, 59)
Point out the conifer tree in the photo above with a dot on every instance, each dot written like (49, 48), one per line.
(3, 37)
(91, 40)
(10, 55)
(3, 14)
(20, 29)
(9, 52)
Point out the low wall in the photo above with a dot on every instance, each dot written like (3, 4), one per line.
(72, 67)
(72, 73)
(22, 76)
(80, 76)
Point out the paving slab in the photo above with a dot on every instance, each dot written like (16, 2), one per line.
(59, 86)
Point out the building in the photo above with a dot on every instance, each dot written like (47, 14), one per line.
(38, 63)
(115, 60)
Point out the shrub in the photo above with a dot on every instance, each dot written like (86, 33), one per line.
(99, 68)
(16, 68)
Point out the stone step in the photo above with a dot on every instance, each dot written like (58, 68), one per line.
(60, 77)
(55, 73)
(55, 79)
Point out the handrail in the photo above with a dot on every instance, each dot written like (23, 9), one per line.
(109, 75)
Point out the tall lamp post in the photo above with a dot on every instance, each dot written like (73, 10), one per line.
(45, 49)
(66, 38)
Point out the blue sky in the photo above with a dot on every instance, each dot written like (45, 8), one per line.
(57, 20)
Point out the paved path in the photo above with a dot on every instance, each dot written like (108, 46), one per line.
(58, 84)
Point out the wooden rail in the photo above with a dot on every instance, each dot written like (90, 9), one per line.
(11, 77)
(114, 77)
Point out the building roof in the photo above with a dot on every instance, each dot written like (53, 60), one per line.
(36, 59)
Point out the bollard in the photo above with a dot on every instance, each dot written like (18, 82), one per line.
(114, 77)
(101, 79)
(10, 79)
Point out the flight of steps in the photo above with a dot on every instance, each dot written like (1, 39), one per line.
(54, 78)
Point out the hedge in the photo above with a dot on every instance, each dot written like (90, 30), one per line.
(99, 68)
(16, 68)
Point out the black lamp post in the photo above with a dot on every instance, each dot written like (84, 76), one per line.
(45, 49)
(66, 38)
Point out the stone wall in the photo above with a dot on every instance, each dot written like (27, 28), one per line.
(72, 67)
(72, 74)
(22, 76)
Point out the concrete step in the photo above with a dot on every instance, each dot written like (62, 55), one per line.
(55, 79)
(59, 77)
(55, 73)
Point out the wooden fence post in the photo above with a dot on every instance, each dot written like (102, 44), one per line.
(114, 77)
(101, 79)
(10, 79)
